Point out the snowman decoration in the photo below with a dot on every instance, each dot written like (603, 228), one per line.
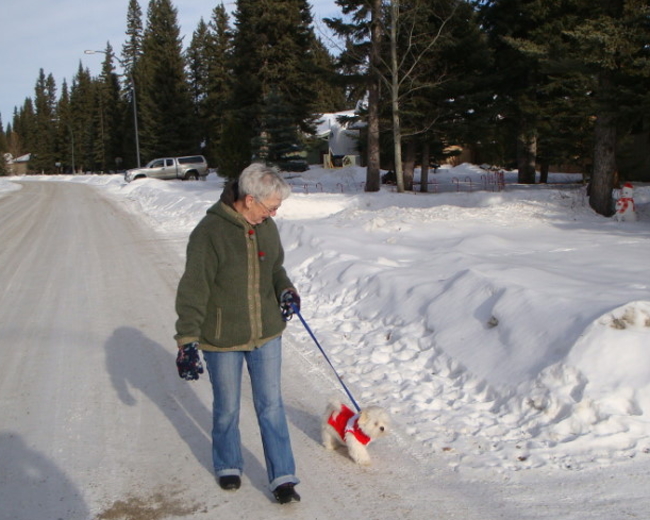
(625, 209)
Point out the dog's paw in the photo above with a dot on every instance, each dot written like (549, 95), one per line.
(329, 443)
(362, 460)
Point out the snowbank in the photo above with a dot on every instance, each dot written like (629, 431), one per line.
(504, 329)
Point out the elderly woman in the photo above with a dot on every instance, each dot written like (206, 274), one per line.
(229, 304)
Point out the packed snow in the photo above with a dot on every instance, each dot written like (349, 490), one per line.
(505, 327)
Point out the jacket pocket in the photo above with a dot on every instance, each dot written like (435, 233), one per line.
(218, 321)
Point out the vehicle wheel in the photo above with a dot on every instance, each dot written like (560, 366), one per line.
(191, 176)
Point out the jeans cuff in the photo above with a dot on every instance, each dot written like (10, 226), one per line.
(228, 473)
(284, 480)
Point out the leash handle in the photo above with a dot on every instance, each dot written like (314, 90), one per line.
(297, 313)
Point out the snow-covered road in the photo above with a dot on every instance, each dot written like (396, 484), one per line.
(96, 425)
(95, 421)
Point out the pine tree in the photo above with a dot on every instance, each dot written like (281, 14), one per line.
(330, 93)
(219, 81)
(247, 87)
(198, 57)
(165, 105)
(278, 137)
(208, 59)
(3, 149)
(3, 137)
(131, 54)
(274, 65)
(436, 52)
(516, 74)
(44, 145)
(361, 59)
(83, 103)
(65, 138)
(108, 139)
(132, 48)
(567, 61)
(610, 43)
(21, 137)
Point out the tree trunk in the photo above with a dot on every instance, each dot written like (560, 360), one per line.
(543, 171)
(424, 169)
(526, 154)
(372, 171)
(394, 98)
(602, 177)
(409, 165)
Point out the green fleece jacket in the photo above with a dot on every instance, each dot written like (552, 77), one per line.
(228, 296)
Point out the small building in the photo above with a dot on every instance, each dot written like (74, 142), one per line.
(341, 133)
(19, 165)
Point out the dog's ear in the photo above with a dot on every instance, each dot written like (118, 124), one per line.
(363, 417)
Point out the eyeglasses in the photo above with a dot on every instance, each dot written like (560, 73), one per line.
(269, 210)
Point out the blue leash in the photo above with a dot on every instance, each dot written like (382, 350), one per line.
(297, 312)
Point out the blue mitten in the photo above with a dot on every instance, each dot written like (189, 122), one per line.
(188, 362)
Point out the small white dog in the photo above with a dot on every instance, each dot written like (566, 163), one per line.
(342, 426)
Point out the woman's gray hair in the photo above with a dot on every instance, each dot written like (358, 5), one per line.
(261, 182)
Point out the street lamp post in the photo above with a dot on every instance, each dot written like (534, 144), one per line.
(135, 103)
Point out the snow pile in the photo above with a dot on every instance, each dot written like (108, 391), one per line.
(7, 187)
(503, 329)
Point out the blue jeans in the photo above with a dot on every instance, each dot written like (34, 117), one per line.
(264, 366)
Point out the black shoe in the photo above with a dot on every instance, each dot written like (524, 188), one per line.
(285, 494)
(230, 482)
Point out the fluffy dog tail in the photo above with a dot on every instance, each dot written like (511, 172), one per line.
(333, 409)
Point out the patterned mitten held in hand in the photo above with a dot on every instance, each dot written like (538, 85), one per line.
(188, 362)
(289, 300)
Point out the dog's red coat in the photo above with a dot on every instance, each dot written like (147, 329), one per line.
(347, 421)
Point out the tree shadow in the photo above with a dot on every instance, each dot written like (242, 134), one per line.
(135, 362)
(31, 486)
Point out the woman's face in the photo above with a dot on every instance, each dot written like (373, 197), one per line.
(261, 209)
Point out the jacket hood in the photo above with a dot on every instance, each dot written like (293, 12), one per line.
(230, 193)
(224, 207)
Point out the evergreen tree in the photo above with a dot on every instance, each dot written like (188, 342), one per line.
(83, 103)
(164, 101)
(3, 138)
(132, 48)
(361, 59)
(234, 151)
(3, 149)
(44, 144)
(20, 138)
(108, 139)
(276, 64)
(610, 43)
(247, 88)
(330, 91)
(278, 136)
(198, 63)
(65, 136)
(219, 82)
(437, 53)
(208, 56)
(131, 54)
(516, 75)
(566, 62)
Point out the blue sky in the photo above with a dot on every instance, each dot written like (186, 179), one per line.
(53, 34)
